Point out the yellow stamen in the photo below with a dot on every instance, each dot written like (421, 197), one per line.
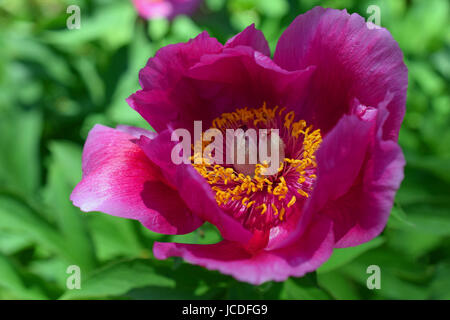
(263, 207)
(282, 213)
(274, 208)
(230, 185)
(291, 203)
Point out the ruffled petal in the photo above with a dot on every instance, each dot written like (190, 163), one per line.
(236, 77)
(241, 77)
(120, 180)
(362, 213)
(313, 249)
(340, 159)
(352, 61)
(250, 37)
(161, 74)
(368, 170)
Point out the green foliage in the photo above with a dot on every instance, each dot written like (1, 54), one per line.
(55, 84)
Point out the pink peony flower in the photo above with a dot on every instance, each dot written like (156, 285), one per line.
(335, 89)
(151, 9)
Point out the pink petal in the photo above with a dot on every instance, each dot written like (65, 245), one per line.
(340, 159)
(152, 9)
(313, 249)
(352, 61)
(200, 81)
(120, 180)
(250, 37)
(362, 213)
(160, 77)
(192, 187)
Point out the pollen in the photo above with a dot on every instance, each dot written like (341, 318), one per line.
(251, 197)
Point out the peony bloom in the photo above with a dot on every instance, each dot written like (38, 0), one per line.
(151, 9)
(336, 91)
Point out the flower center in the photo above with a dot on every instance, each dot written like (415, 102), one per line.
(245, 190)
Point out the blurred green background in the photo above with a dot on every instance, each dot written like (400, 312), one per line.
(55, 84)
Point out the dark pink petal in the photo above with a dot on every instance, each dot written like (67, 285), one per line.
(358, 175)
(192, 187)
(171, 62)
(250, 37)
(352, 61)
(155, 107)
(160, 77)
(340, 159)
(240, 77)
(362, 213)
(306, 255)
(217, 82)
(120, 180)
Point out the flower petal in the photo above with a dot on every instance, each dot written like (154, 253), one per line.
(218, 82)
(120, 180)
(164, 9)
(250, 37)
(241, 77)
(362, 213)
(230, 258)
(192, 187)
(161, 74)
(136, 132)
(340, 158)
(352, 61)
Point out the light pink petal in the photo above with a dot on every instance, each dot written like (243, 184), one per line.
(152, 9)
(120, 180)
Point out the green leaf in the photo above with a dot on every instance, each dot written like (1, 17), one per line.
(338, 285)
(400, 276)
(112, 24)
(431, 221)
(12, 242)
(412, 242)
(158, 28)
(273, 8)
(441, 283)
(139, 52)
(115, 237)
(20, 217)
(64, 172)
(206, 234)
(305, 288)
(343, 256)
(118, 279)
(19, 164)
(13, 282)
